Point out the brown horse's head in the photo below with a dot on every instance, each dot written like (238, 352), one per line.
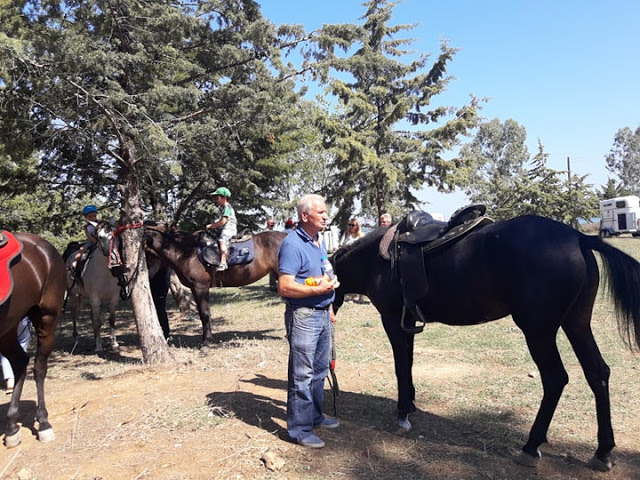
(168, 242)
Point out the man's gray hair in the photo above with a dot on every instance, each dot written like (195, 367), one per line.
(306, 203)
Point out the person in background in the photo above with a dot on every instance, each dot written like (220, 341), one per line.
(273, 278)
(228, 223)
(289, 225)
(24, 337)
(271, 223)
(353, 233)
(308, 317)
(385, 220)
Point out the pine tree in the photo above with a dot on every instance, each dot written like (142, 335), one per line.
(147, 104)
(385, 94)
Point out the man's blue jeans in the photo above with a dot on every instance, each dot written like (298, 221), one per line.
(309, 335)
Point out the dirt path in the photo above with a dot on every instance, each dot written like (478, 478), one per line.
(216, 416)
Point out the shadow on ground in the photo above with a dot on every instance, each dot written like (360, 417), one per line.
(437, 447)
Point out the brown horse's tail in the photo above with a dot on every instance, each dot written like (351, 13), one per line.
(622, 280)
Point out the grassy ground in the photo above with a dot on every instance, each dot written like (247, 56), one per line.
(217, 416)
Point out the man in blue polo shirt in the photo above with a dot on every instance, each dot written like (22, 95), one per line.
(308, 318)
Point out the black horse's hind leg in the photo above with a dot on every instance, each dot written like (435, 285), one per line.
(577, 327)
(402, 345)
(597, 373)
(544, 351)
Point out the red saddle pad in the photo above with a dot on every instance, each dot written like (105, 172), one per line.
(10, 248)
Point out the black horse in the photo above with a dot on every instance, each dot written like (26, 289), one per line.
(541, 272)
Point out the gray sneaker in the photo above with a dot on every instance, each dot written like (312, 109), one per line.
(328, 423)
(311, 441)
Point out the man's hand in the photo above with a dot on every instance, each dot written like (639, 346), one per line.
(327, 285)
(288, 287)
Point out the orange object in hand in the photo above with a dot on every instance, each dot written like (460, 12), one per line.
(313, 281)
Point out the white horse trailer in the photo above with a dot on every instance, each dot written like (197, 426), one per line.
(620, 215)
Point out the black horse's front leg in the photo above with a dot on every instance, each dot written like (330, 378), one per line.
(204, 311)
(402, 345)
(159, 284)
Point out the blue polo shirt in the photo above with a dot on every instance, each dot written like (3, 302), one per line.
(299, 256)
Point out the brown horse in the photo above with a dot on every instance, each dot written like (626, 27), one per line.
(39, 283)
(179, 250)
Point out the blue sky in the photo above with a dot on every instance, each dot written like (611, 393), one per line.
(567, 71)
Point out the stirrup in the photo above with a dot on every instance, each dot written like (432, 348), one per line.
(420, 319)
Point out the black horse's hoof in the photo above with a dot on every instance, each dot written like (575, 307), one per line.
(600, 465)
(404, 425)
(527, 460)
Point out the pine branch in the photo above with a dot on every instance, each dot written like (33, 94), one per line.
(110, 119)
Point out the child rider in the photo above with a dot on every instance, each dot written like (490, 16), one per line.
(228, 223)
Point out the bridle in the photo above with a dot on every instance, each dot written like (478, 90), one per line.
(104, 226)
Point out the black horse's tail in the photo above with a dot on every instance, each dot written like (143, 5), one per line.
(622, 279)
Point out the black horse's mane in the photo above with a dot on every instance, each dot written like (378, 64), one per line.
(363, 243)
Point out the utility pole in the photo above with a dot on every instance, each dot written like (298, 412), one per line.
(574, 223)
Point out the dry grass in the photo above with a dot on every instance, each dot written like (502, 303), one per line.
(215, 416)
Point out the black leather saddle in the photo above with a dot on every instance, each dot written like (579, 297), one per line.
(417, 235)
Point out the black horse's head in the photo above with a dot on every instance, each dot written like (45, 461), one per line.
(353, 265)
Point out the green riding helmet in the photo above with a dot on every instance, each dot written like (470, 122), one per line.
(224, 191)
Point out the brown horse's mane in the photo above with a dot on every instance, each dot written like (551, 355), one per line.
(181, 239)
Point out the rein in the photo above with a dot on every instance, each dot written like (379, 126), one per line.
(119, 229)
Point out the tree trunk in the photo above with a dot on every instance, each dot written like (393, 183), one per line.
(181, 294)
(152, 343)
